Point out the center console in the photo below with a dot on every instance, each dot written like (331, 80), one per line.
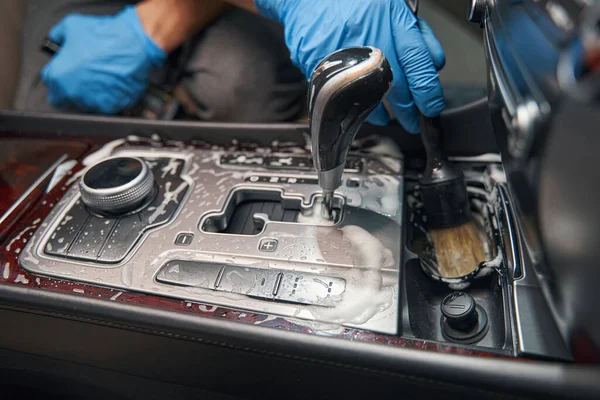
(236, 229)
(241, 228)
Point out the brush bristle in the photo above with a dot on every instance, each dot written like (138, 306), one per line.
(458, 250)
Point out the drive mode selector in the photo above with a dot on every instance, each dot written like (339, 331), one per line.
(117, 185)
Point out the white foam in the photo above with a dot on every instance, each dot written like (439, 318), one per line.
(116, 296)
(171, 167)
(104, 152)
(19, 236)
(61, 171)
(365, 295)
(21, 279)
(383, 194)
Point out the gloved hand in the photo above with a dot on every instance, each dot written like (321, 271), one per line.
(104, 64)
(316, 28)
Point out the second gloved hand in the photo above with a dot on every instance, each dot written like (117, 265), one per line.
(316, 28)
(104, 64)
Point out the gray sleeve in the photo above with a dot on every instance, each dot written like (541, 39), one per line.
(11, 29)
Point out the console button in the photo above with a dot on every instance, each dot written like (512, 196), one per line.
(302, 288)
(67, 230)
(268, 245)
(234, 279)
(253, 282)
(91, 238)
(189, 273)
(184, 239)
(122, 239)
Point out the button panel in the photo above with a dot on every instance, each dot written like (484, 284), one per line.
(121, 239)
(268, 245)
(67, 230)
(284, 162)
(91, 238)
(184, 239)
(83, 236)
(279, 285)
(282, 180)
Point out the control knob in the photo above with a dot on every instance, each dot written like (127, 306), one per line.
(117, 185)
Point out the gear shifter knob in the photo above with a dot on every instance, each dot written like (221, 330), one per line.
(344, 89)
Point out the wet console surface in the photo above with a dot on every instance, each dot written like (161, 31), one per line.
(242, 230)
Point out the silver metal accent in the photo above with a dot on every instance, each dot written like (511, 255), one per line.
(214, 222)
(314, 246)
(118, 199)
(327, 210)
(332, 179)
(476, 11)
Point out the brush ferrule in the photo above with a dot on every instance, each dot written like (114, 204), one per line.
(446, 203)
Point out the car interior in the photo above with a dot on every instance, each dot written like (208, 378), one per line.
(152, 254)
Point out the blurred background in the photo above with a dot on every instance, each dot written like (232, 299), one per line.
(25, 23)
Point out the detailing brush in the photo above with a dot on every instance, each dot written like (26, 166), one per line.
(457, 241)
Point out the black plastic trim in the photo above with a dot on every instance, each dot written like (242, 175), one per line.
(295, 351)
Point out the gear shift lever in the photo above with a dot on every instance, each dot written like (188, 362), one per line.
(344, 89)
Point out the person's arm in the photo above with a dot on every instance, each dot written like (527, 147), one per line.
(316, 28)
(105, 62)
(247, 4)
(171, 22)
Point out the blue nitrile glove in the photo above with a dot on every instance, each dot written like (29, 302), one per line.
(104, 63)
(316, 28)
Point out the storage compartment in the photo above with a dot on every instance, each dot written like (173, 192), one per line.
(487, 284)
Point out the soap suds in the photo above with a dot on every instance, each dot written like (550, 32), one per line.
(382, 194)
(365, 294)
(116, 296)
(21, 279)
(103, 152)
(19, 236)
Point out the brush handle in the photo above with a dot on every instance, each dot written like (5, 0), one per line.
(443, 188)
(438, 168)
